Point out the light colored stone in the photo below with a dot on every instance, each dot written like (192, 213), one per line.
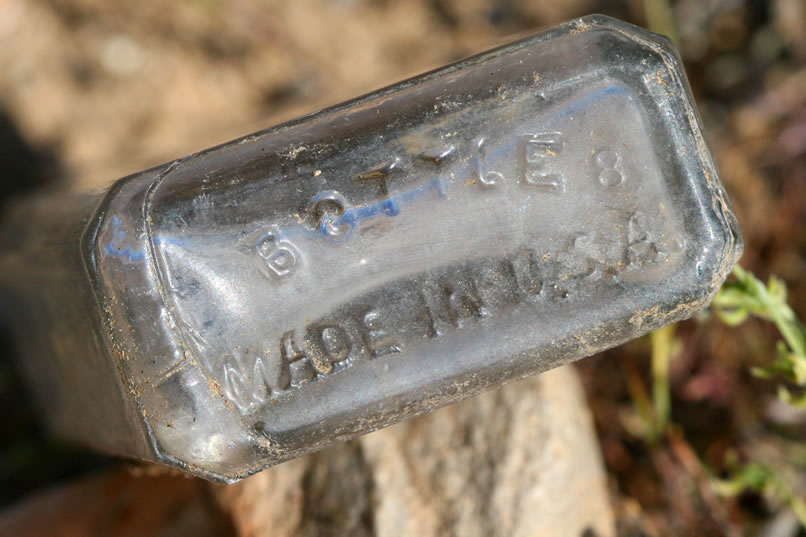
(521, 460)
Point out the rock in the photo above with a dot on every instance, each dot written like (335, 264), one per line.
(119, 503)
(521, 460)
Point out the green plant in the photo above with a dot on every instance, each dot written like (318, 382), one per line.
(736, 301)
(762, 479)
(742, 297)
(747, 296)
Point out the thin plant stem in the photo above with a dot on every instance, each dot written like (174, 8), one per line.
(662, 342)
(660, 19)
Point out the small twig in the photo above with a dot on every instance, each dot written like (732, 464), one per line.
(689, 460)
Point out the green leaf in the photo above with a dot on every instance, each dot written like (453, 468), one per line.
(733, 317)
(750, 477)
(777, 289)
(796, 401)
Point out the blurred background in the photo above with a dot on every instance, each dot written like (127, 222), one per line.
(92, 90)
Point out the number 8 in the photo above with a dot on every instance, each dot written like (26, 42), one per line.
(609, 164)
